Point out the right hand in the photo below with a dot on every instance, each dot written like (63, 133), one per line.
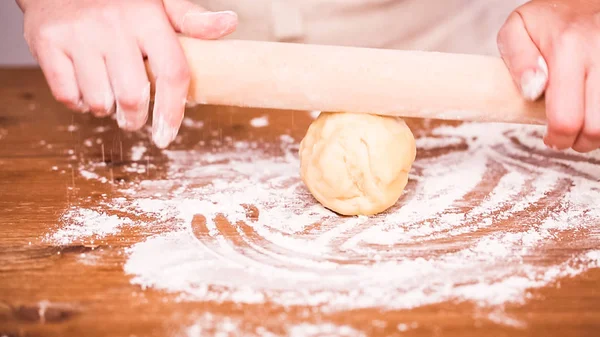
(92, 55)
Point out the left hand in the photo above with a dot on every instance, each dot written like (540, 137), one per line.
(553, 46)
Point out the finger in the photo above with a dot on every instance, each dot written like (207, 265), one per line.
(589, 139)
(92, 77)
(195, 21)
(523, 58)
(60, 75)
(565, 95)
(168, 63)
(130, 84)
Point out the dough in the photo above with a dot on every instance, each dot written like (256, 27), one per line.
(357, 164)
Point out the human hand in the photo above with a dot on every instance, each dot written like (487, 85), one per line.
(554, 46)
(92, 55)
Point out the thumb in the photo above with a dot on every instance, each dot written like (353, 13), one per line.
(522, 57)
(194, 21)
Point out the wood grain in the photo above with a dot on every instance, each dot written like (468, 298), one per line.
(45, 290)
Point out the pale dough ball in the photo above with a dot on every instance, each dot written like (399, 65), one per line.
(357, 164)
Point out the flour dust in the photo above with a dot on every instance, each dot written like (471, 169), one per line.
(471, 226)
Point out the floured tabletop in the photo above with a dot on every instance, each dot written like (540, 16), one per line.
(102, 234)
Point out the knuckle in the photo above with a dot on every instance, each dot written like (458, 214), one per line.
(570, 37)
(50, 33)
(110, 14)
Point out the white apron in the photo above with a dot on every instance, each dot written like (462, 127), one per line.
(461, 26)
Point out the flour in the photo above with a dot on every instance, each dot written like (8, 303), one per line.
(88, 259)
(138, 151)
(428, 143)
(86, 224)
(69, 128)
(403, 327)
(466, 229)
(192, 124)
(211, 325)
(101, 129)
(90, 175)
(259, 122)
(326, 329)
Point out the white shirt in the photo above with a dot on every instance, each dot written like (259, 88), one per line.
(461, 26)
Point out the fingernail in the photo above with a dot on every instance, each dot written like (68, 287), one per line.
(137, 117)
(121, 119)
(142, 113)
(543, 65)
(109, 102)
(81, 106)
(533, 82)
(163, 134)
(208, 15)
(230, 23)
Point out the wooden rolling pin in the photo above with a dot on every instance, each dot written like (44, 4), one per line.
(331, 78)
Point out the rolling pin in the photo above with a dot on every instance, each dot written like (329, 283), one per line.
(415, 84)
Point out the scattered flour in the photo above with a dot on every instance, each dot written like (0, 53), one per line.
(403, 327)
(259, 122)
(468, 228)
(82, 223)
(208, 324)
(436, 142)
(325, 329)
(89, 175)
(101, 129)
(69, 128)
(211, 325)
(138, 151)
(88, 259)
(192, 124)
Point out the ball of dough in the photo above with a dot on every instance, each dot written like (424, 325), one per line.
(357, 164)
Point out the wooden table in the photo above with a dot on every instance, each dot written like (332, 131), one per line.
(48, 289)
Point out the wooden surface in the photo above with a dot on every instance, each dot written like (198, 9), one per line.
(79, 299)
